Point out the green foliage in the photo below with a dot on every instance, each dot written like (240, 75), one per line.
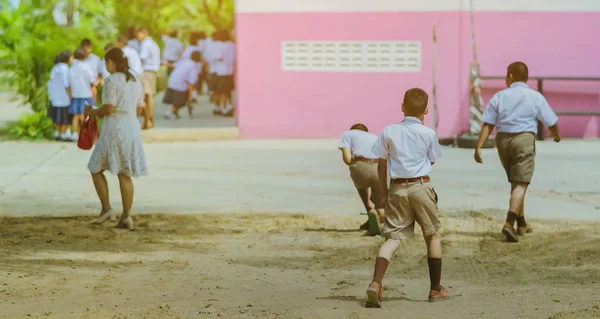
(36, 126)
(30, 41)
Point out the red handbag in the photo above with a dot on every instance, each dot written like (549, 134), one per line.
(88, 134)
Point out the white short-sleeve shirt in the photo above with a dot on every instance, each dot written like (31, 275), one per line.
(228, 59)
(410, 147)
(212, 54)
(58, 84)
(134, 44)
(516, 110)
(186, 73)
(135, 63)
(187, 53)
(81, 77)
(172, 49)
(359, 142)
(150, 55)
(95, 64)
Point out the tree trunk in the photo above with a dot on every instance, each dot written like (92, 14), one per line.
(70, 12)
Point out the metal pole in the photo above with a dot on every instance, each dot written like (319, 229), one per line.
(476, 109)
(434, 89)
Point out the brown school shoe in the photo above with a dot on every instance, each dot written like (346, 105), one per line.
(374, 296)
(441, 295)
(521, 231)
(510, 234)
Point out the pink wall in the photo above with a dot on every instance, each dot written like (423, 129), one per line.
(277, 104)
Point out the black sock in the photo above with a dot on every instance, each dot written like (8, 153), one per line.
(511, 218)
(435, 272)
(381, 265)
(521, 221)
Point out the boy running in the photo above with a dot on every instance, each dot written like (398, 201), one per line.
(408, 149)
(514, 112)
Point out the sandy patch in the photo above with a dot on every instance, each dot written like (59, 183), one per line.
(288, 266)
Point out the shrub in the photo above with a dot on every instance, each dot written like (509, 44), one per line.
(36, 126)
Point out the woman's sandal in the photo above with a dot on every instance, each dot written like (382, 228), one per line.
(103, 217)
(127, 223)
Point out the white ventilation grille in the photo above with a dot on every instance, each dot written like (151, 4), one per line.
(356, 56)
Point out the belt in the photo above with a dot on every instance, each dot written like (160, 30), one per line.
(422, 179)
(366, 160)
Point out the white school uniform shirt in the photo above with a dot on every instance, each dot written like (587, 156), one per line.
(228, 56)
(58, 84)
(201, 44)
(81, 77)
(212, 53)
(359, 142)
(105, 73)
(185, 74)
(150, 55)
(134, 44)
(410, 147)
(95, 64)
(187, 53)
(135, 62)
(172, 49)
(517, 108)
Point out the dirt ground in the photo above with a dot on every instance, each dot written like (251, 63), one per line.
(289, 266)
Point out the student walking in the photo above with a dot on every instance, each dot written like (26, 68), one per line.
(408, 149)
(182, 85)
(59, 92)
(81, 77)
(150, 55)
(172, 50)
(95, 64)
(224, 69)
(356, 145)
(119, 148)
(514, 113)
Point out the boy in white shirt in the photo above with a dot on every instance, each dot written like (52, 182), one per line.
(172, 50)
(95, 64)
(225, 67)
(81, 77)
(133, 57)
(105, 74)
(182, 84)
(201, 44)
(150, 55)
(211, 54)
(59, 92)
(408, 150)
(356, 145)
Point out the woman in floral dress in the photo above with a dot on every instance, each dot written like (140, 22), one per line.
(119, 147)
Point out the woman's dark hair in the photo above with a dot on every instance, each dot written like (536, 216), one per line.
(108, 47)
(120, 60)
(62, 57)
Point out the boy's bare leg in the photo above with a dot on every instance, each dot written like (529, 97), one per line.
(522, 227)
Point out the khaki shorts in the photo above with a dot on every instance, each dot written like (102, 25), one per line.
(407, 204)
(517, 155)
(365, 176)
(149, 80)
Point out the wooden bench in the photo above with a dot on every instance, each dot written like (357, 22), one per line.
(540, 88)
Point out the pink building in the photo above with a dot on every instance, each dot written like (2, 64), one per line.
(312, 68)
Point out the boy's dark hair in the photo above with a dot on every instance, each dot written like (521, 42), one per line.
(201, 35)
(415, 102)
(131, 32)
(172, 34)
(62, 57)
(123, 39)
(519, 71)
(194, 38)
(108, 46)
(143, 29)
(359, 126)
(80, 54)
(196, 56)
(86, 43)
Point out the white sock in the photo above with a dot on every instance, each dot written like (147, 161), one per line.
(227, 109)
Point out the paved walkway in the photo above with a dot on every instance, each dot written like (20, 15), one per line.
(203, 116)
(304, 176)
